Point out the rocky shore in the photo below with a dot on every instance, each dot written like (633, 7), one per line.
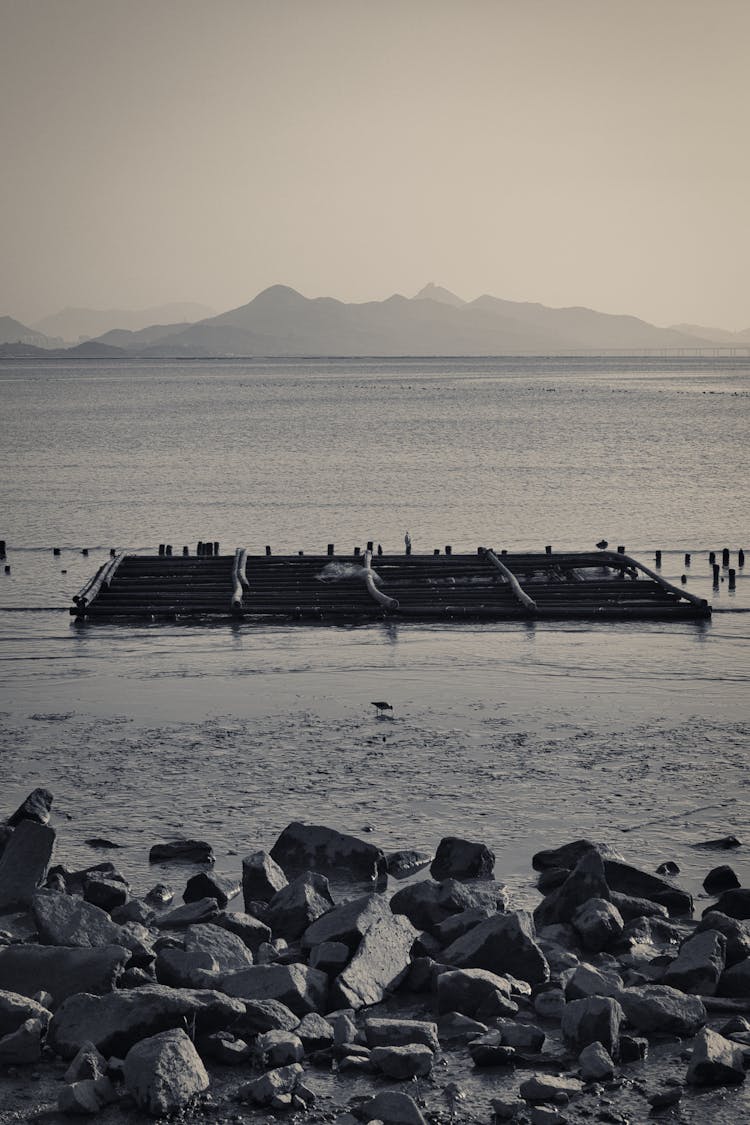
(436, 1001)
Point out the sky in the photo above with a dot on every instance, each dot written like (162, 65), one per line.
(572, 152)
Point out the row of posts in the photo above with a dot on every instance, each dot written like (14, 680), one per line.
(715, 566)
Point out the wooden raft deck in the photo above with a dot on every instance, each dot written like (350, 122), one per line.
(340, 589)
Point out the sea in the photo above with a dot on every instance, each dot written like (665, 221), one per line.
(521, 735)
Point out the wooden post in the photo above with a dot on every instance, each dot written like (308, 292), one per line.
(85, 552)
(548, 550)
(356, 552)
(716, 568)
(216, 548)
(56, 551)
(2, 548)
(711, 558)
(380, 550)
(725, 557)
(112, 552)
(621, 550)
(740, 557)
(330, 548)
(268, 550)
(504, 551)
(300, 553)
(168, 550)
(7, 568)
(436, 551)
(448, 549)
(185, 553)
(161, 550)
(199, 548)
(369, 545)
(687, 560)
(732, 578)
(657, 558)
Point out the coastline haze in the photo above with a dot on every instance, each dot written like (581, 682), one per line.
(570, 155)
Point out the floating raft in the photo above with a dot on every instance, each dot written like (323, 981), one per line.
(340, 589)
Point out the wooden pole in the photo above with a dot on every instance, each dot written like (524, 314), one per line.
(521, 595)
(716, 569)
(725, 557)
(657, 558)
(268, 550)
(732, 578)
(687, 560)
(711, 558)
(330, 548)
(448, 549)
(548, 550)
(2, 548)
(372, 590)
(740, 557)
(185, 553)
(56, 551)
(112, 552)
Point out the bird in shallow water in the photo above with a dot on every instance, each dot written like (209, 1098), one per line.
(382, 707)
(602, 544)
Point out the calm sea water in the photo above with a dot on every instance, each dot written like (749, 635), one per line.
(523, 735)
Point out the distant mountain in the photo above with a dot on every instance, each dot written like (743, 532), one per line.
(76, 324)
(432, 292)
(13, 332)
(720, 335)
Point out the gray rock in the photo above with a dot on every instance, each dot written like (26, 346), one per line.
(722, 878)
(228, 949)
(88, 1063)
(299, 904)
(278, 1048)
(262, 878)
(346, 923)
(24, 1045)
(549, 1087)
(24, 863)
(207, 884)
(317, 848)
(504, 943)
(135, 910)
(737, 934)
(467, 990)
(733, 903)
(630, 880)
(379, 965)
(507, 1109)
(699, 964)
(392, 1108)
(736, 981)
(113, 1023)
(273, 1084)
(595, 1063)
(297, 986)
(224, 1048)
(186, 851)
(266, 1015)
(191, 914)
(163, 1073)
(660, 1010)
(63, 919)
(61, 971)
(180, 969)
(406, 862)
(715, 1061)
(16, 1009)
(586, 880)
(587, 980)
(596, 1019)
(598, 923)
(381, 1032)
(462, 859)
(105, 893)
(550, 1004)
(89, 1096)
(663, 1099)
(36, 807)
(456, 925)
(253, 932)
(423, 903)
(161, 894)
(522, 1036)
(315, 1032)
(454, 1027)
(413, 1060)
(631, 907)
(330, 957)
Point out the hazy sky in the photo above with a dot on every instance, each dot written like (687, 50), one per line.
(589, 152)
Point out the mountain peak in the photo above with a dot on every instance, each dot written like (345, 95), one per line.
(433, 292)
(277, 293)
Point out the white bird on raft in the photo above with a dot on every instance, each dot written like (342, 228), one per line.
(382, 707)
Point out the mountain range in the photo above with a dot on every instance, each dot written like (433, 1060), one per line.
(281, 322)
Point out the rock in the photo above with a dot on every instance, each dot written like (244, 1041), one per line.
(299, 904)
(736, 981)
(598, 923)
(663, 1099)
(734, 903)
(456, 925)
(631, 907)
(61, 971)
(507, 1109)
(278, 1048)
(315, 1032)
(699, 964)
(181, 969)
(262, 878)
(632, 1048)
(163, 1073)
(454, 1027)
(423, 903)
(489, 1050)
(88, 1096)
(522, 1036)
(274, 1083)
(224, 1048)
(715, 1061)
(502, 943)
(316, 848)
(467, 990)
(630, 880)
(88, 1063)
(252, 932)
(191, 914)
(24, 863)
(160, 895)
(549, 1087)
(587, 980)
(462, 859)
(413, 1060)
(135, 910)
(381, 1032)
(63, 919)
(300, 988)
(378, 966)
(330, 956)
(550, 1004)
(347, 923)
(105, 893)
(722, 878)
(567, 855)
(595, 1063)
(36, 807)
(23, 1046)
(113, 1023)
(345, 1029)
(660, 1010)
(210, 885)
(402, 864)
(596, 1019)
(724, 843)
(551, 878)
(586, 880)
(392, 1108)
(266, 1015)
(669, 867)
(227, 949)
(16, 1009)
(736, 933)
(187, 851)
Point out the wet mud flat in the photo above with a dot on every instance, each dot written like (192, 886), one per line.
(328, 979)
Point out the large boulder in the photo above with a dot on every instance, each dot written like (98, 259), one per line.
(378, 966)
(699, 964)
(657, 1009)
(273, 1084)
(568, 855)
(228, 949)
(24, 1045)
(63, 919)
(262, 878)
(715, 1061)
(346, 923)
(737, 934)
(164, 1072)
(314, 847)
(392, 1108)
(24, 863)
(598, 923)
(734, 903)
(15, 1009)
(504, 943)
(380, 1032)
(722, 878)
(462, 859)
(630, 880)
(586, 880)
(469, 991)
(115, 1022)
(253, 932)
(412, 1060)
(407, 862)
(185, 851)
(300, 988)
(37, 807)
(61, 972)
(596, 1019)
(735, 982)
(191, 914)
(299, 904)
(207, 884)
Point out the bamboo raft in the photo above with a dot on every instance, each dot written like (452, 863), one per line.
(344, 589)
